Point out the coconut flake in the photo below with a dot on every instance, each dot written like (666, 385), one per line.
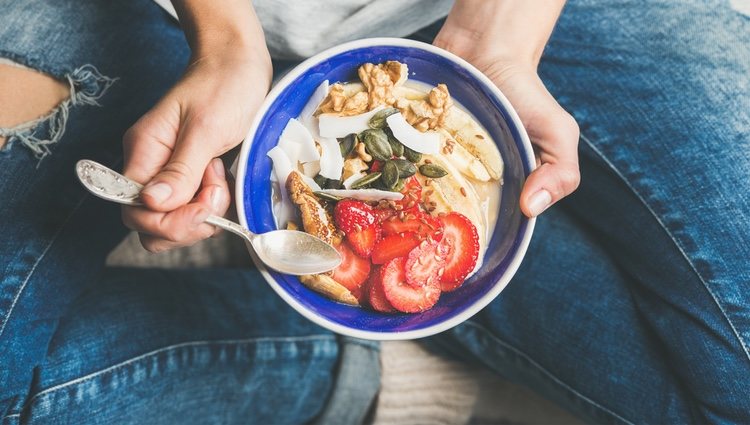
(412, 138)
(311, 169)
(297, 134)
(365, 194)
(307, 116)
(310, 182)
(332, 125)
(353, 178)
(281, 169)
(331, 161)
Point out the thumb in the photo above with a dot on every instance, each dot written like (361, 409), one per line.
(178, 181)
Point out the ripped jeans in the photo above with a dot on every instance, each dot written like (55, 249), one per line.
(632, 305)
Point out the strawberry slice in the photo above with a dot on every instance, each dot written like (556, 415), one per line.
(363, 241)
(376, 166)
(390, 247)
(425, 262)
(418, 222)
(402, 296)
(376, 294)
(353, 270)
(462, 242)
(383, 214)
(412, 191)
(352, 215)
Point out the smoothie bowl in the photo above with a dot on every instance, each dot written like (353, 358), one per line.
(410, 162)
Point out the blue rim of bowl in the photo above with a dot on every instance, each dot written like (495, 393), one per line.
(521, 139)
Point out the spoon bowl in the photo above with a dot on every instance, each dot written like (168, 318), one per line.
(288, 251)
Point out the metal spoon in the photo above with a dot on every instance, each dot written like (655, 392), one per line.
(287, 251)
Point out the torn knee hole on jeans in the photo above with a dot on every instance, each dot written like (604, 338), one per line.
(86, 85)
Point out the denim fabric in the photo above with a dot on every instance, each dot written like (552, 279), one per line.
(633, 302)
(631, 305)
(83, 345)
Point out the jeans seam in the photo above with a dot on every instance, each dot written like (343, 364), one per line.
(674, 240)
(6, 319)
(539, 367)
(168, 348)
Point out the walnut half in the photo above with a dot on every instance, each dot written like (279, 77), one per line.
(430, 113)
(379, 80)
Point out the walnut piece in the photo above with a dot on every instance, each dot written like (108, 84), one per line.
(337, 102)
(353, 166)
(428, 114)
(379, 80)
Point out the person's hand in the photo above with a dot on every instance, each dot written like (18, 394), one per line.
(505, 41)
(173, 148)
(553, 132)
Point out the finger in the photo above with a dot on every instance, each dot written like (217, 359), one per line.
(147, 145)
(184, 225)
(558, 175)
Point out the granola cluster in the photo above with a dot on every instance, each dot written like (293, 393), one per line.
(430, 113)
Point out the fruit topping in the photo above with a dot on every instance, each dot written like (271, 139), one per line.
(400, 294)
(462, 242)
(418, 222)
(425, 264)
(397, 245)
(353, 270)
(376, 293)
(352, 215)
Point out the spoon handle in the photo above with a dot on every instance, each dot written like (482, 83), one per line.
(230, 226)
(113, 186)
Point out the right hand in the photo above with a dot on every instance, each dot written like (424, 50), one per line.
(174, 148)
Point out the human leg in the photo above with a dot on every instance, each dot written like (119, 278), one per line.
(661, 94)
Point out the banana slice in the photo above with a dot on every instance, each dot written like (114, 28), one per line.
(475, 140)
(456, 154)
(453, 193)
(330, 288)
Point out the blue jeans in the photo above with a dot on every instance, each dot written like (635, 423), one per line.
(632, 306)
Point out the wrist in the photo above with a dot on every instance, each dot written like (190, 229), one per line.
(509, 31)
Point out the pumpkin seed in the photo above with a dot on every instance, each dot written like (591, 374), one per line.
(347, 143)
(432, 171)
(400, 185)
(412, 155)
(396, 146)
(390, 175)
(378, 120)
(327, 196)
(334, 184)
(376, 143)
(405, 168)
(366, 180)
(320, 180)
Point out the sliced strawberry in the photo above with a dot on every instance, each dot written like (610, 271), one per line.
(418, 222)
(412, 194)
(390, 247)
(352, 215)
(401, 295)
(462, 242)
(383, 214)
(376, 294)
(353, 270)
(363, 241)
(424, 263)
(376, 166)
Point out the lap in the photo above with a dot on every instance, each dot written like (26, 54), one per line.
(55, 236)
(658, 327)
(194, 346)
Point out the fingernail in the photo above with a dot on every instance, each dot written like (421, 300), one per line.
(201, 216)
(159, 191)
(216, 197)
(218, 167)
(539, 202)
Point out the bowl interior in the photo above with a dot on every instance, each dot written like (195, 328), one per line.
(430, 68)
